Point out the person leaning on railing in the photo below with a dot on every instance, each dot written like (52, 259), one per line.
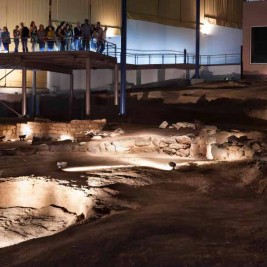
(68, 36)
(33, 35)
(86, 32)
(41, 37)
(101, 38)
(16, 35)
(77, 36)
(93, 42)
(24, 33)
(51, 37)
(60, 34)
(5, 35)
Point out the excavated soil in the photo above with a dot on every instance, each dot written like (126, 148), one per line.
(136, 213)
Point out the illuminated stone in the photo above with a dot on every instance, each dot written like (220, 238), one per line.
(164, 125)
(143, 141)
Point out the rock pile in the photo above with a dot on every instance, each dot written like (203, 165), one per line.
(174, 145)
(211, 143)
(238, 148)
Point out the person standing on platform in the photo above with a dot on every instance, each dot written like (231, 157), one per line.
(50, 25)
(51, 37)
(16, 35)
(77, 36)
(68, 37)
(60, 33)
(41, 36)
(24, 33)
(33, 35)
(86, 30)
(5, 35)
(101, 38)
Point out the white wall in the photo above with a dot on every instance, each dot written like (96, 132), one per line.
(143, 35)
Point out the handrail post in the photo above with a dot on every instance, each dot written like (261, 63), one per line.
(107, 48)
(185, 53)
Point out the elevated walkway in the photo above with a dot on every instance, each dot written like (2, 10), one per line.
(61, 62)
(67, 61)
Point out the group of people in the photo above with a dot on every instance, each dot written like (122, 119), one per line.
(84, 36)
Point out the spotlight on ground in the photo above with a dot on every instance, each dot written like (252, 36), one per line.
(173, 165)
(62, 165)
(2, 138)
(22, 137)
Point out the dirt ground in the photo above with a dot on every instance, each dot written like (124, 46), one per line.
(211, 215)
(197, 215)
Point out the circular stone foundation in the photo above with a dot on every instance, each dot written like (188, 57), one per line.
(36, 207)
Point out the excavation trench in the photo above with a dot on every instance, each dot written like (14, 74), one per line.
(36, 207)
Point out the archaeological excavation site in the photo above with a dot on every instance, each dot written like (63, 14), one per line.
(105, 193)
(133, 133)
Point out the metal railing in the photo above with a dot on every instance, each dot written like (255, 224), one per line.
(57, 44)
(135, 57)
(172, 57)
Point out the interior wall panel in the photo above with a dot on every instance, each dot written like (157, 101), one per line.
(108, 12)
(70, 10)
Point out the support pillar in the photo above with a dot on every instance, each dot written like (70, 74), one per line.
(71, 96)
(123, 56)
(116, 85)
(197, 39)
(33, 93)
(24, 93)
(88, 88)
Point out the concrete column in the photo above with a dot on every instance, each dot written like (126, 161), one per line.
(123, 57)
(88, 88)
(116, 85)
(138, 77)
(24, 93)
(33, 93)
(71, 96)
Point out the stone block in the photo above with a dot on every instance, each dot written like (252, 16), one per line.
(179, 125)
(110, 148)
(164, 125)
(143, 141)
(219, 152)
(184, 153)
(124, 145)
(156, 141)
(179, 146)
(169, 151)
(183, 139)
